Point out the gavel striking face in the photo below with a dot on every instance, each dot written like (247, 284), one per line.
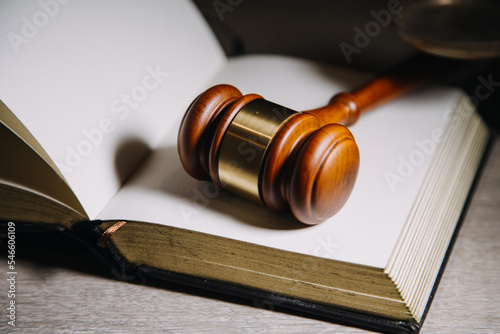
(306, 161)
(269, 153)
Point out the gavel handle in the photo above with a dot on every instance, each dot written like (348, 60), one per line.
(346, 108)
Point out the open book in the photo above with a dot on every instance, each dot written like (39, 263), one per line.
(92, 95)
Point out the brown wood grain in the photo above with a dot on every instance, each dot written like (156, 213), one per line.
(324, 174)
(193, 145)
(347, 107)
(277, 171)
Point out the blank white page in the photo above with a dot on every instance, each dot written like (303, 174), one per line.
(97, 82)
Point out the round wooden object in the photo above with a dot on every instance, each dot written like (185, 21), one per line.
(324, 174)
(275, 169)
(193, 142)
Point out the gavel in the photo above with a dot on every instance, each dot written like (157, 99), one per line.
(306, 162)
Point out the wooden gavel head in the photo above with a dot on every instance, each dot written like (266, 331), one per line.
(305, 161)
(269, 153)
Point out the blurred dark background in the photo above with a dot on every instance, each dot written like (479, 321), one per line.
(307, 29)
(332, 32)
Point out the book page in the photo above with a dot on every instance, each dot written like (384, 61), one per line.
(40, 177)
(396, 142)
(96, 82)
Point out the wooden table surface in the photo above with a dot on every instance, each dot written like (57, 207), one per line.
(61, 289)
